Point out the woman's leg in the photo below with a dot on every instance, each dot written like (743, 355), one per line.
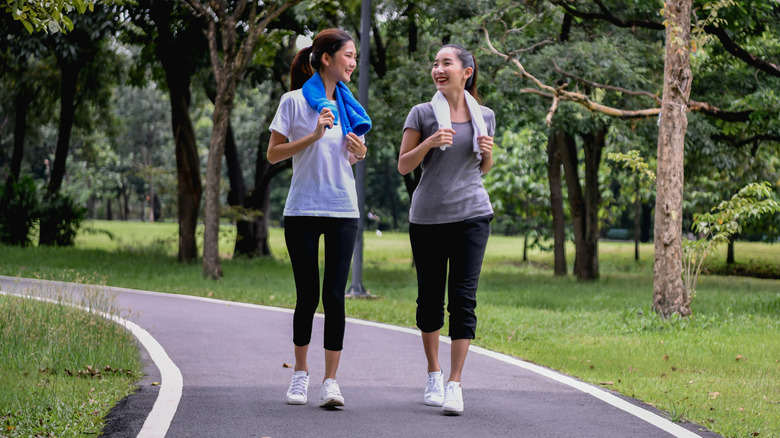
(470, 241)
(302, 240)
(429, 248)
(431, 347)
(340, 239)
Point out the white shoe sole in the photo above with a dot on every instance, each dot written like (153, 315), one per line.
(296, 402)
(434, 403)
(331, 403)
(451, 411)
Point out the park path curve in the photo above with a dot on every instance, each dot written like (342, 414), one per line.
(231, 360)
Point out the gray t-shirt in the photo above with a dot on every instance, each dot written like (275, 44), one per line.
(450, 189)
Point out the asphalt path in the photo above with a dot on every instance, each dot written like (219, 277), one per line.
(223, 368)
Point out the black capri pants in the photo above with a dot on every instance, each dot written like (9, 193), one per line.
(462, 244)
(302, 235)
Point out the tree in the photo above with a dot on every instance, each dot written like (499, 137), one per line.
(228, 64)
(46, 15)
(178, 43)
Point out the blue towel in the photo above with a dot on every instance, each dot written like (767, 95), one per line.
(355, 118)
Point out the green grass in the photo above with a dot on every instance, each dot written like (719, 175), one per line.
(718, 368)
(62, 369)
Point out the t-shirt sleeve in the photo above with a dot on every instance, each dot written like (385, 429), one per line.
(490, 120)
(284, 116)
(414, 120)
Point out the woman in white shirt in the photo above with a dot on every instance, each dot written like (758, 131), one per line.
(322, 200)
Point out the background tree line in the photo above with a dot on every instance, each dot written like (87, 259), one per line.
(131, 113)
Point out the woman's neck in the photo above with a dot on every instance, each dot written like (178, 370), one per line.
(330, 86)
(459, 111)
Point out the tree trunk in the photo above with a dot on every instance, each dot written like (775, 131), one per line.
(637, 217)
(593, 145)
(222, 109)
(22, 105)
(69, 77)
(730, 251)
(647, 215)
(177, 66)
(669, 294)
(567, 147)
(556, 202)
(109, 213)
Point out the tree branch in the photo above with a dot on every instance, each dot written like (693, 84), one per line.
(728, 44)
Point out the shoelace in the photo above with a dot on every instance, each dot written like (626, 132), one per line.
(434, 383)
(298, 385)
(332, 390)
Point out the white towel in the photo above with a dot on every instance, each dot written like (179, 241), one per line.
(441, 109)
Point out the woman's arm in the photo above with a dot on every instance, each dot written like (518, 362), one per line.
(412, 151)
(279, 149)
(486, 148)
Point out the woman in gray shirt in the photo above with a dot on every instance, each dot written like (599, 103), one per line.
(451, 137)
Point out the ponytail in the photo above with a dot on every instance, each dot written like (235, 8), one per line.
(301, 70)
(309, 60)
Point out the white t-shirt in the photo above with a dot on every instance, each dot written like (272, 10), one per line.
(323, 183)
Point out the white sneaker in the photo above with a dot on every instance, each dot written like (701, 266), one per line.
(453, 399)
(330, 394)
(434, 389)
(296, 394)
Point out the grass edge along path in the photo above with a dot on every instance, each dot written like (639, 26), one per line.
(714, 369)
(64, 363)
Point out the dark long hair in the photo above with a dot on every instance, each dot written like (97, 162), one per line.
(468, 60)
(309, 60)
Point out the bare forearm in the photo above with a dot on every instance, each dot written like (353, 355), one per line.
(284, 150)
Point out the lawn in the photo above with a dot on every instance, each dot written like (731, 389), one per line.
(717, 368)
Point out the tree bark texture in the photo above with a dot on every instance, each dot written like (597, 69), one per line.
(226, 85)
(20, 130)
(567, 147)
(556, 202)
(669, 294)
(69, 77)
(637, 217)
(593, 145)
(177, 66)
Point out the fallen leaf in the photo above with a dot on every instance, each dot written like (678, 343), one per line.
(155, 383)
(666, 357)
(739, 357)
(286, 365)
(607, 383)
(714, 395)
(210, 294)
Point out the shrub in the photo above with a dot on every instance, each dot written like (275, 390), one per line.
(19, 210)
(60, 220)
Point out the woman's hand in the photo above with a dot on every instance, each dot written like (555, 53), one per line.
(325, 120)
(442, 137)
(485, 143)
(356, 146)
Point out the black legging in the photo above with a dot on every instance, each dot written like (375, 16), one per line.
(302, 234)
(462, 246)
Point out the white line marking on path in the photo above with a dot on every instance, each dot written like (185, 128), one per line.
(643, 414)
(159, 419)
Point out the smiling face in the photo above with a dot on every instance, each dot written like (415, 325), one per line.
(340, 66)
(448, 73)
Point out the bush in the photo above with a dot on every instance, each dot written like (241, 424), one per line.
(60, 220)
(19, 210)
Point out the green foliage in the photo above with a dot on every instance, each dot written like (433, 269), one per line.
(60, 220)
(19, 211)
(48, 15)
(718, 227)
(518, 186)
